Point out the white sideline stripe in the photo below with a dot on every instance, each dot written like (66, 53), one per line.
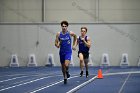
(124, 84)
(13, 79)
(81, 85)
(24, 83)
(118, 73)
(92, 79)
(11, 75)
(51, 85)
(26, 74)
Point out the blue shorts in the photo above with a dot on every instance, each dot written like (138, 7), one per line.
(64, 56)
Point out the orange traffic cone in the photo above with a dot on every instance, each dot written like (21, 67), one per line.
(100, 76)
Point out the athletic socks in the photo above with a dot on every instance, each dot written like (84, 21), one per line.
(81, 74)
(65, 81)
(67, 72)
(87, 74)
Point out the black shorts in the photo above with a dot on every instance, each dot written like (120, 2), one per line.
(85, 54)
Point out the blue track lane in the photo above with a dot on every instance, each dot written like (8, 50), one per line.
(50, 80)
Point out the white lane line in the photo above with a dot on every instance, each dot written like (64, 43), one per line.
(25, 83)
(92, 79)
(26, 74)
(18, 82)
(119, 73)
(10, 75)
(13, 79)
(124, 83)
(81, 85)
(51, 85)
(22, 74)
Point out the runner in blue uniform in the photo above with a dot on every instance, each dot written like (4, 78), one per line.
(63, 41)
(84, 43)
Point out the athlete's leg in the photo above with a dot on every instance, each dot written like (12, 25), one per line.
(67, 62)
(86, 66)
(67, 68)
(63, 70)
(63, 67)
(81, 63)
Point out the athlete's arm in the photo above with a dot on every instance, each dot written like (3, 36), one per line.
(57, 42)
(77, 41)
(74, 39)
(88, 42)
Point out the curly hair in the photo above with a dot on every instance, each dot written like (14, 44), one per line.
(65, 22)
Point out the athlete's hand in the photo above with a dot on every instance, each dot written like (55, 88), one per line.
(57, 45)
(83, 39)
(74, 48)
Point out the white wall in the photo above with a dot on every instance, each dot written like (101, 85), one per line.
(20, 10)
(76, 11)
(119, 10)
(21, 37)
(113, 39)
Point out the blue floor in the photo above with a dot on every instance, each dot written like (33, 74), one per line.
(50, 80)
